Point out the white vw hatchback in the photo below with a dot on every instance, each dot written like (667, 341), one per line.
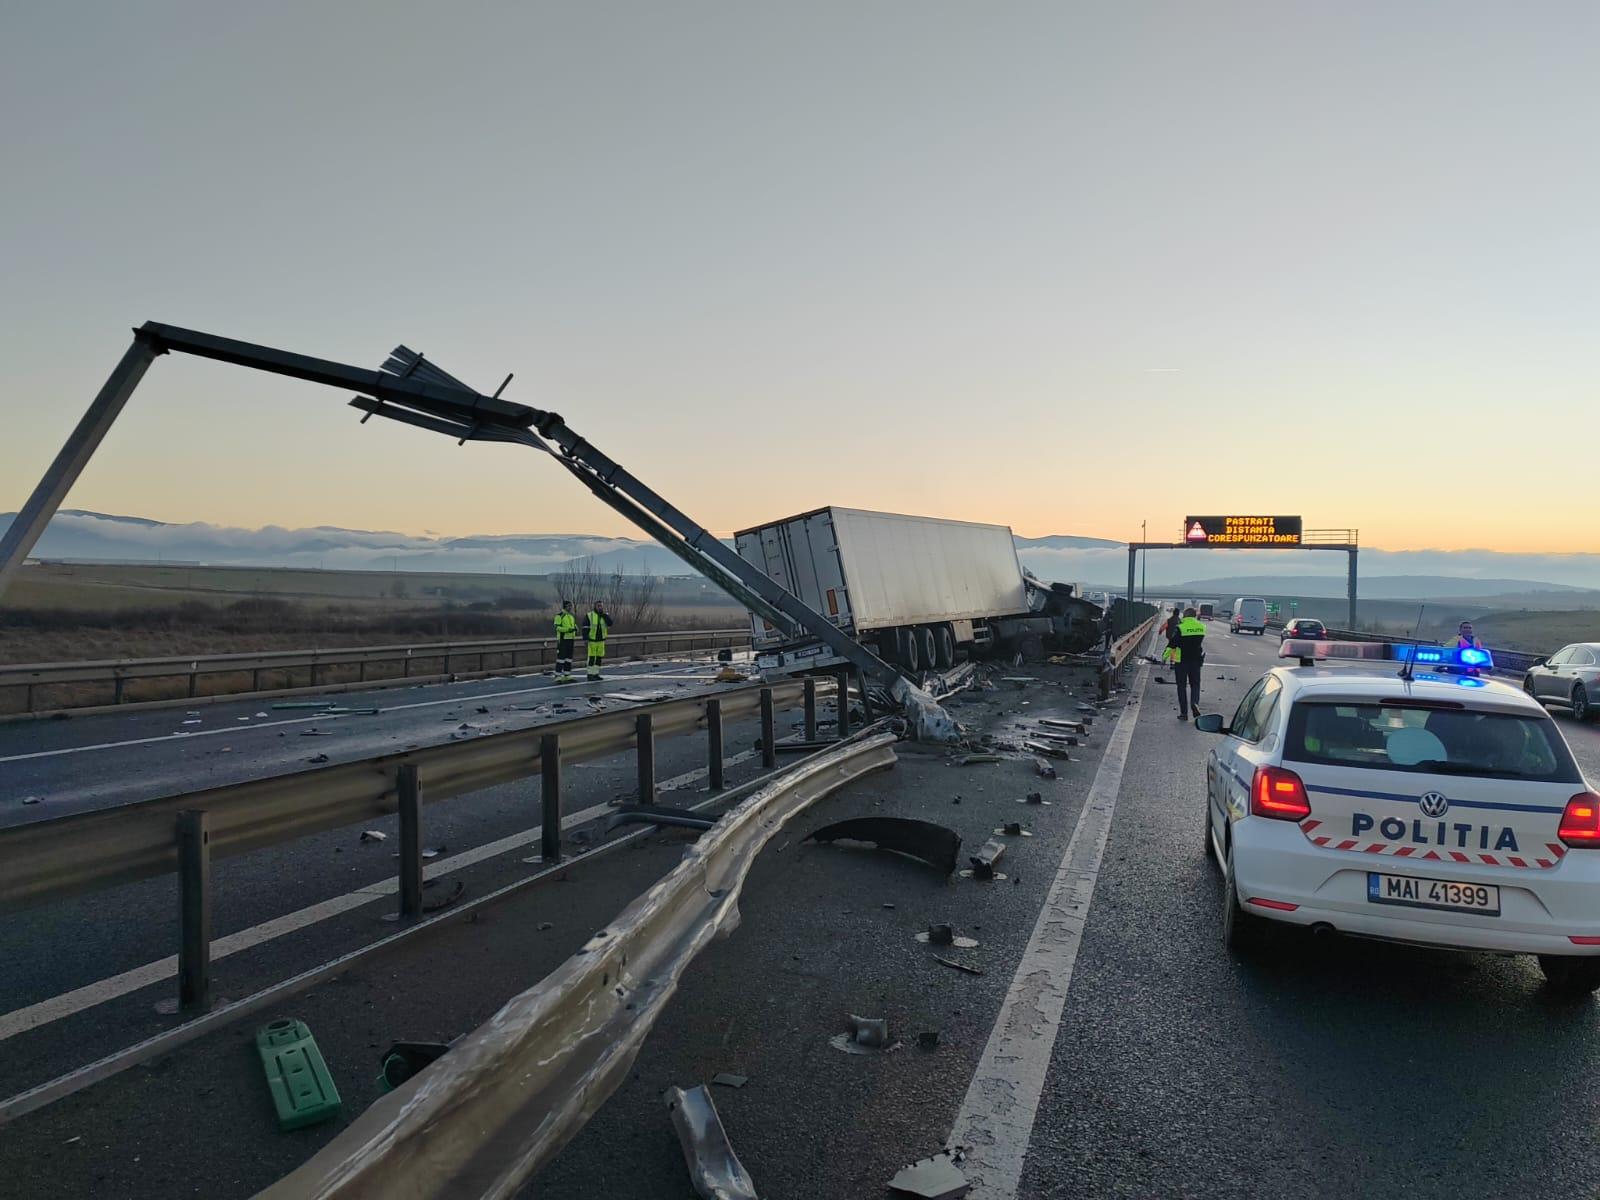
(1404, 797)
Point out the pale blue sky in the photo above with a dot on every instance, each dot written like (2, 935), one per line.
(971, 260)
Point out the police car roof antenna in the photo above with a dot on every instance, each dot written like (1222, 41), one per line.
(1409, 667)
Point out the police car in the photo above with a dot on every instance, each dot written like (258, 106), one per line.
(1395, 792)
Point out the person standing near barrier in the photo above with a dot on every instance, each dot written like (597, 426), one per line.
(566, 634)
(1188, 638)
(595, 626)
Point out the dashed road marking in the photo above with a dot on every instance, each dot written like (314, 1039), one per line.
(996, 1120)
(67, 1004)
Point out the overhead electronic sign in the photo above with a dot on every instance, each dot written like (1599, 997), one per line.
(1241, 531)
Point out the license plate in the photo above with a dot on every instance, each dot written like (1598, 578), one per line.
(1415, 892)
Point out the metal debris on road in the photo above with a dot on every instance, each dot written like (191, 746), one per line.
(946, 935)
(983, 862)
(714, 1168)
(30, 799)
(935, 845)
(373, 835)
(931, 1179)
(868, 1035)
(725, 1079)
(1044, 769)
(928, 1039)
(950, 962)
(316, 733)
(973, 759)
(1034, 798)
(318, 758)
(433, 851)
(1048, 749)
(404, 1059)
(1013, 829)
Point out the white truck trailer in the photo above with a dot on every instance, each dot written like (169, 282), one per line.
(917, 587)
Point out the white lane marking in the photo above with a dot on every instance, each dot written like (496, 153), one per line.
(67, 1004)
(996, 1120)
(236, 730)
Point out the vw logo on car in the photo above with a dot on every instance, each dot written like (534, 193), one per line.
(1434, 804)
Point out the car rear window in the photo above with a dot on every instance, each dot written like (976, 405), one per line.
(1424, 740)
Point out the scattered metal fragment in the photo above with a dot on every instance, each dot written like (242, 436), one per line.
(931, 1179)
(318, 758)
(928, 1039)
(923, 840)
(543, 925)
(714, 1168)
(983, 862)
(1047, 749)
(867, 1035)
(433, 851)
(316, 733)
(1034, 798)
(950, 962)
(373, 835)
(30, 799)
(1018, 679)
(1044, 769)
(973, 759)
(1013, 829)
(946, 935)
(727, 1079)
(656, 814)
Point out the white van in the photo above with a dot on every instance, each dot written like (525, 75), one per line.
(1249, 615)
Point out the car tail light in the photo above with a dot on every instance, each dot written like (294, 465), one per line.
(1580, 822)
(1279, 794)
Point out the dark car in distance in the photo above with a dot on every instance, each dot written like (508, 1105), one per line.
(1569, 678)
(1304, 627)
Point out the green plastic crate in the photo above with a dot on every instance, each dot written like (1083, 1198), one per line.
(302, 1089)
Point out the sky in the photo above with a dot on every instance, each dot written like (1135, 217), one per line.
(1066, 267)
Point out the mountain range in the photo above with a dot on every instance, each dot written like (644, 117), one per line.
(76, 534)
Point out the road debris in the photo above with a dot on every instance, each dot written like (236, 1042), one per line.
(950, 962)
(714, 1168)
(404, 1059)
(302, 1089)
(299, 704)
(983, 862)
(434, 851)
(1013, 829)
(1048, 749)
(928, 1039)
(726, 1079)
(946, 935)
(318, 758)
(31, 799)
(935, 845)
(1034, 798)
(868, 1035)
(373, 835)
(459, 891)
(969, 760)
(931, 1179)
(316, 732)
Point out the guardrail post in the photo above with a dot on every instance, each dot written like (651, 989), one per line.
(811, 709)
(313, 674)
(409, 788)
(27, 696)
(255, 680)
(194, 907)
(361, 671)
(550, 797)
(769, 732)
(841, 684)
(644, 726)
(116, 691)
(194, 678)
(714, 743)
(405, 670)
(866, 701)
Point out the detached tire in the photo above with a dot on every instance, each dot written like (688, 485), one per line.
(1580, 704)
(1243, 933)
(1570, 975)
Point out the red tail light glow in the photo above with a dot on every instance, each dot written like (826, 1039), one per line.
(1279, 794)
(1580, 822)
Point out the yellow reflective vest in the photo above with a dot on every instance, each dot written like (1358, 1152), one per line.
(566, 625)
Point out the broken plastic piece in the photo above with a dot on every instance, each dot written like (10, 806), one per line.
(950, 962)
(868, 1035)
(983, 862)
(714, 1169)
(302, 1089)
(923, 840)
(726, 1079)
(372, 835)
(404, 1059)
(932, 1179)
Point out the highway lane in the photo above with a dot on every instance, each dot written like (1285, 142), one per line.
(99, 761)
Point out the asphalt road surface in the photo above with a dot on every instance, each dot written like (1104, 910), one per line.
(1111, 1046)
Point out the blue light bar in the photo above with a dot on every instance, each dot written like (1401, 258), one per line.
(1463, 658)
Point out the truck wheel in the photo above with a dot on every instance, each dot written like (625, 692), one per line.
(910, 650)
(946, 639)
(930, 648)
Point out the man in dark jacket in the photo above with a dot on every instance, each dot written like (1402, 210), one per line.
(1187, 635)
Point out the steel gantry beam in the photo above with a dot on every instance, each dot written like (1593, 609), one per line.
(1348, 546)
(410, 389)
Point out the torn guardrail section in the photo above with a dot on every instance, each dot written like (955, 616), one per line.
(510, 1094)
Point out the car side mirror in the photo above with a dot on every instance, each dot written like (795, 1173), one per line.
(1209, 723)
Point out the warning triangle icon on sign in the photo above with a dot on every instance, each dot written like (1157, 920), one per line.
(1197, 533)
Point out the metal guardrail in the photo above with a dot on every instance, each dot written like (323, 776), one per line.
(480, 656)
(507, 1097)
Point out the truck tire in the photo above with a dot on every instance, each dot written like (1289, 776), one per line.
(911, 649)
(946, 639)
(929, 646)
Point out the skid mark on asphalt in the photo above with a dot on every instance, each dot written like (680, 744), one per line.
(67, 1004)
(997, 1116)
